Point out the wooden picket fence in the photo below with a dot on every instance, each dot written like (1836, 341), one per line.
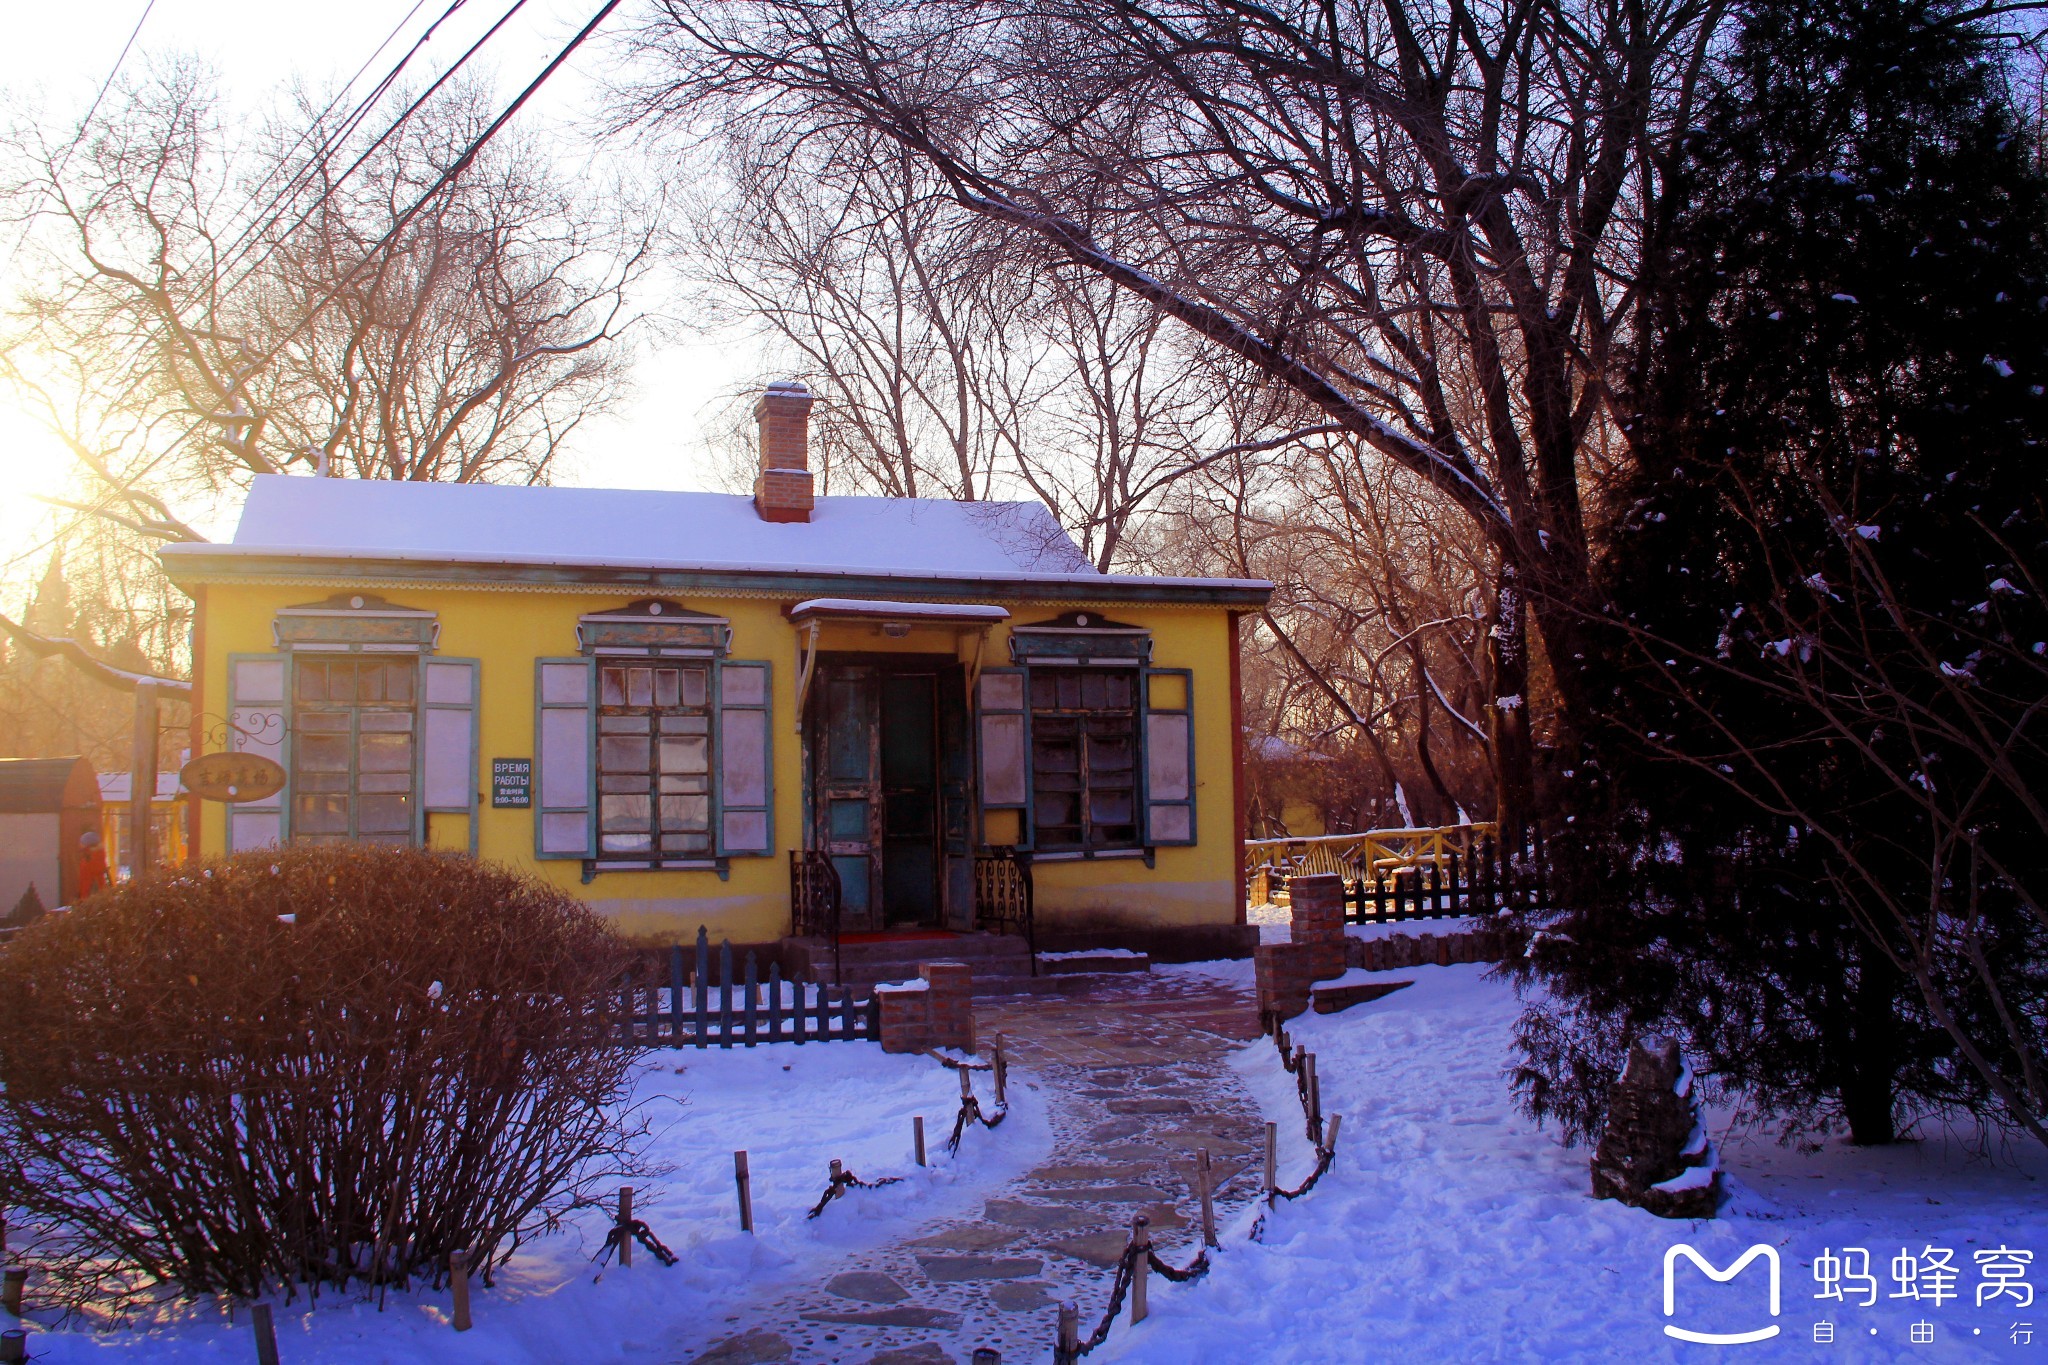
(690, 1009)
(1408, 873)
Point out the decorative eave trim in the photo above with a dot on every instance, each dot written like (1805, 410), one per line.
(398, 575)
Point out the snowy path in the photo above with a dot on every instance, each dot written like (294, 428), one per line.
(1135, 1075)
(1451, 1230)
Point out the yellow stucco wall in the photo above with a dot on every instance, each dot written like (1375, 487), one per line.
(507, 630)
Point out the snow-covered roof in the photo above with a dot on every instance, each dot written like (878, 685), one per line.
(862, 606)
(613, 528)
(114, 788)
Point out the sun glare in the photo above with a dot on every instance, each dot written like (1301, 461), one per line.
(32, 463)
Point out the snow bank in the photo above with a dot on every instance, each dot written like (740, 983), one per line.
(792, 1108)
(1450, 1229)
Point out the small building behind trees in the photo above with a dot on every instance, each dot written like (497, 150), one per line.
(46, 804)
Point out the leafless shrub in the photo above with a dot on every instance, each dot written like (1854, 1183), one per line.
(305, 1067)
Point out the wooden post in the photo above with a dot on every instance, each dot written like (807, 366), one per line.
(1315, 1094)
(966, 1085)
(11, 1285)
(266, 1334)
(739, 1172)
(1330, 1141)
(725, 994)
(1001, 1070)
(458, 1288)
(753, 981)
(141, 780)
(1141, 1267)
(917, 1136)
(1202, 1183)
(626, 1226)
(13, 1346)
(1272, 1160)
(675, 994)
(700, 985)
(1070, 1334)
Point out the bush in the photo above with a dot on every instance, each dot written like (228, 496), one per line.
(307, 1066)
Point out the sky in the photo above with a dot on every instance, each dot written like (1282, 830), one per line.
(57, 55)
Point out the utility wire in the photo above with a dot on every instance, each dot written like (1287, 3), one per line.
(396, 124)
(84, 124)
(355, 116)
(448, 176)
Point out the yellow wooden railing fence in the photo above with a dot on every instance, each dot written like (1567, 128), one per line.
(1356, 857)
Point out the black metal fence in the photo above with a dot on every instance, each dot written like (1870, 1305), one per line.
(691, 1009)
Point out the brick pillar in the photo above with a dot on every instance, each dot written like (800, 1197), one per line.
(1318, 911)
(1284, 973)
(950, 992)
(906, 1016)
(783, 489)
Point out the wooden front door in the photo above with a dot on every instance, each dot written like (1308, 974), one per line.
(876, 793)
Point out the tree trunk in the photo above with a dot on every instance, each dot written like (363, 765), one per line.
(1508, 725)
(1868, 1093)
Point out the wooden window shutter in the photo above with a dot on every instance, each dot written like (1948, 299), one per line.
(1169, 699)
(1002, 728)
(259, 686)
(746, 815)
(564, 746)
(448, 739)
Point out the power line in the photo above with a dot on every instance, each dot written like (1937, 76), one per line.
(247, 240)
(448, 176)
(85, 123)
(362, 107)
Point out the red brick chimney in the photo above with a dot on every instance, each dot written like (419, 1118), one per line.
(782, 490)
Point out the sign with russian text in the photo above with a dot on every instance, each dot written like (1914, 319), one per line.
(511, 783)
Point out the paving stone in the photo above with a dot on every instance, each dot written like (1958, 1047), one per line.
(1088, 1171)
(1020, 1296)
(1097, 1248)
(1116, 1128)
(1151, 1106)
(909, 1315)
(1133, 1151)
(948, 1269)
(970, 1237)
(1038, 1217)
(925, 1353)
(1219, 1144)
(1107, 1194)
(869, 1286)
(748, 1348)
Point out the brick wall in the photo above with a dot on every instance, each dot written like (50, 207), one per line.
(937, 1012)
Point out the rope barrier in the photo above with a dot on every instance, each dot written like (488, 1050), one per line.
(841, 1181)
(970, 1109)
(642, 1234)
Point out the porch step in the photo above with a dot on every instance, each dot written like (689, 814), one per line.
(991, 957)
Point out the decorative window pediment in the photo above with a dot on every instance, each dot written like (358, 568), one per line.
(1081, 637)
(356, 623)
(655, 627)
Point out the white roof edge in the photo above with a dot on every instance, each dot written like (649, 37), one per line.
(867, 606)
(211, 550)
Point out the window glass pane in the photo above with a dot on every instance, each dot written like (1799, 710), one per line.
(685, 812)
(622, 754)
(398, 683)
(686, 725)
(377, 753)
(311, 682)
(627, 843)
(319, 814)
(370, 683)
(696, 686)
(622, 725)
(685, 755)
(668, 689)
(623, 814)
(321, 753)
(611, 689)
(639, 687)
(383, 814)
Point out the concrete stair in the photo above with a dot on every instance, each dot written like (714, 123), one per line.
(1000, 962)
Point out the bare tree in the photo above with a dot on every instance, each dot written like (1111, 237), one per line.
(203, 308)
(1420, 220)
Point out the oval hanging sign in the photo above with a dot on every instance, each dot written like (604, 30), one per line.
(232, 777)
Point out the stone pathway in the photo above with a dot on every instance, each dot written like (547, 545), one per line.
(1137, 1080)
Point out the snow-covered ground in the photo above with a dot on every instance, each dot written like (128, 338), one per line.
(792, 1108)
(1450, 1229)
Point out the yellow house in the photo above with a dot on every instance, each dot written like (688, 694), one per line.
(769, 716)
